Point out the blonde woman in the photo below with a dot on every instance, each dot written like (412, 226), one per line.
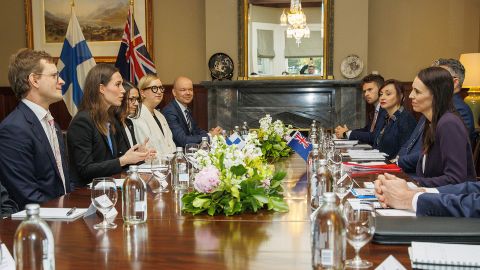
(151, 123)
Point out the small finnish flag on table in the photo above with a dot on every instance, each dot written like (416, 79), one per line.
(235, 139)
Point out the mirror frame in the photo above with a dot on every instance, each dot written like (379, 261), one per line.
(328, 11)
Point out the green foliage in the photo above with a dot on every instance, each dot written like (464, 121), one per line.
(252, 196)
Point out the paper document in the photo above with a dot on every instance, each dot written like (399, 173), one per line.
(7, 262)
(118, 182)
(53, 213)
(445, 254)
(396, 213)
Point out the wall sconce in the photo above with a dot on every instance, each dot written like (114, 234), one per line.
(471, 62)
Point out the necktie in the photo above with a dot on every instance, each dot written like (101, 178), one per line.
(189, 119)
(55, 146)
(372, 127)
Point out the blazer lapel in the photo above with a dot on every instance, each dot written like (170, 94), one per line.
(182, 116)
(40, 134)
(130, 127)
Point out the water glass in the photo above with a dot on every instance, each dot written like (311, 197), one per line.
(342, 184)
(104, 197)
(359, 228)
(158, 181)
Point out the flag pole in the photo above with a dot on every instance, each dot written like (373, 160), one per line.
(132, 23)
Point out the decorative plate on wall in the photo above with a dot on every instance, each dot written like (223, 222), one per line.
(221, 66)
(351, 66)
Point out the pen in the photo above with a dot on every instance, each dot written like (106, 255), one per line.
(71, 211)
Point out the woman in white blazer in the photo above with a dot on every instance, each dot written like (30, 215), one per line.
(151, 123)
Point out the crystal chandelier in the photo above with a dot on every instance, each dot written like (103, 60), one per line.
(297, 22)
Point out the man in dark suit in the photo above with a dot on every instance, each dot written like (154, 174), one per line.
(7, 206)
(179, 117)
(33, 167)
(410, 152)
(460, 200)
(370, 85)
(457, 70)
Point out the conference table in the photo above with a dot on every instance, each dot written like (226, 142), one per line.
(171, 239)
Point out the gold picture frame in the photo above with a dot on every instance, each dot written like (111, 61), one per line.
(102, 51)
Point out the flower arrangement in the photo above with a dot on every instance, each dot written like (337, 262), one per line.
(233, 181)
(273, 138)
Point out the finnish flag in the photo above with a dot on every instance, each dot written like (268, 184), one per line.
(235, 139)
(75, 62)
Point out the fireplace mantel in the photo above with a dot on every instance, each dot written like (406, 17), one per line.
(296, 102)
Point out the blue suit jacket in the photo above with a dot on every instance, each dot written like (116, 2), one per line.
(461, 200)
(410, 151)
(179, 127)
(394, 133)
(27, 164)
(466, 114)
(364, 135)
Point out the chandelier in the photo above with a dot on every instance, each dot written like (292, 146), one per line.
(297, 22)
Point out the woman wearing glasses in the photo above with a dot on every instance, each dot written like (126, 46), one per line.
(128, 110)
(92, 149)
(151, 123)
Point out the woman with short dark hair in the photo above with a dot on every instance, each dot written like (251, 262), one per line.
(446, 152)
(399, 123)
(128, 110)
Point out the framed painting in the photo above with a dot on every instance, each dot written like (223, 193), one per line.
(102, 24)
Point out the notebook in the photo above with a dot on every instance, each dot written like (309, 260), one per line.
(54, 213)
(404, 230)
(425, 253)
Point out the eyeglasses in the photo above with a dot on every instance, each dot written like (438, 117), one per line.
(132, 100)
(55, 75)
(155, 88)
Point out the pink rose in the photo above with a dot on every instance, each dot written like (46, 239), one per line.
(207, 180)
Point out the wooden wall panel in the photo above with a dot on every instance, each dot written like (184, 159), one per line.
(8, 102)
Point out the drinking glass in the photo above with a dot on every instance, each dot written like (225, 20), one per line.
(342, 183)
(104, 196)
(334, 158)
(190, 150)
(158, 181)
(359, 228)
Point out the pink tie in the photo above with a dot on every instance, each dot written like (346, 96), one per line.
(55, 146)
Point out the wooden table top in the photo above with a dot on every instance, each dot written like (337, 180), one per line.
(173, 240)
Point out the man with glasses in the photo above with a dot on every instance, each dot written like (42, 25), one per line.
(179, 117)
(33, 167)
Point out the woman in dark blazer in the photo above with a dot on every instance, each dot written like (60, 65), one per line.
(129, 109)
(446, 156)
(398, 124)
(92, 148)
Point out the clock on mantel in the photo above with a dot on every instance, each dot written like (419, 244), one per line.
(351, 66)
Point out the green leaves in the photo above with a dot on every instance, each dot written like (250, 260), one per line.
(238, 170)
(252, 196)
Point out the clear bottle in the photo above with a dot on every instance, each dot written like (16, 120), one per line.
(237, 130)
(134, 198)
(204, 144)
(328, 236)
(312, 180)
(245, 130)
(313, 130)
(324, 178)
(180, 171)
(313, 138)
(33, 242)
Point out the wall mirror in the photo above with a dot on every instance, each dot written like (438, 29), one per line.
(268, 51)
